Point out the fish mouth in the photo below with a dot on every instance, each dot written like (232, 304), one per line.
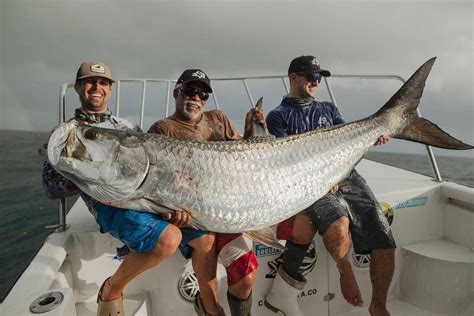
(59, 140)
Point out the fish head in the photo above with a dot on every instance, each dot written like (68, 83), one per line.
(106, 164)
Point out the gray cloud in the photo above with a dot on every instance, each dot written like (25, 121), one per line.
(43, 42)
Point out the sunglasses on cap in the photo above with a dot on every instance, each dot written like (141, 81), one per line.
(311, 77)
(191, 92)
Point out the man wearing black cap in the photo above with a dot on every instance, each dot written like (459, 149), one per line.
(349, 207)
(191, 122)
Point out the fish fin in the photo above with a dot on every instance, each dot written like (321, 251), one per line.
(160, 207)
(405, 102)
(259, 130)
(264, 236)
(98, 192)
(423, 131)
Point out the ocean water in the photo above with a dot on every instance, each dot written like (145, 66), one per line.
(26, 210)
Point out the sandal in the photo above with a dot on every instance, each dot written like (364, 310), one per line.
(199, 309)
(109, 308)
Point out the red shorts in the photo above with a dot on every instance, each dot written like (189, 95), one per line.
(236, 254)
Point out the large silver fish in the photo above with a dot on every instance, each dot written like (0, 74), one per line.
(233, 186)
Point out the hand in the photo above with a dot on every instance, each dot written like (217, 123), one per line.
(179, 219)
(383, 139)
(334, 189)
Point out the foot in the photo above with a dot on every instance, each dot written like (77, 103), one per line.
(349, 288)
(378, 310)
(201, 311)
(108, 294)
(106, 306)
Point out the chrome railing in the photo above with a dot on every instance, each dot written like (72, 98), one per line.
(64, 88)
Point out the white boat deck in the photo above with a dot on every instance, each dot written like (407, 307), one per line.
(76, 262)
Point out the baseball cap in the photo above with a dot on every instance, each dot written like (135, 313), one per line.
(190, 75)
(94, 68)
(307, 64)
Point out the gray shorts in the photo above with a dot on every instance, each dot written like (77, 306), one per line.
(368, 226)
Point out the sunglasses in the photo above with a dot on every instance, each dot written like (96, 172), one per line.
(191, 92)
(311, 77)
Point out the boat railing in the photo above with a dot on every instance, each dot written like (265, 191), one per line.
(144, 83)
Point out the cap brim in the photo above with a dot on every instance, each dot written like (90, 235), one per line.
(95, 75)
(208, 87)
(325, 73)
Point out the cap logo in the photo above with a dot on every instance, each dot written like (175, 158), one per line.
(198, 74)
(315, 62)
(98, 69)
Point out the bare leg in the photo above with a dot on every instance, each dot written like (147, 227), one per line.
(137, 262)
(204, 262)
(337, 242)
(243, 288)
(382, 266)
(303, 229)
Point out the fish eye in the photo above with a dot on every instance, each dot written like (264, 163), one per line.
(91, 134)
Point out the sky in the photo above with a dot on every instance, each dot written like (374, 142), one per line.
(43, 42)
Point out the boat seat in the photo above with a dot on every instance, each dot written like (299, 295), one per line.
(438, 276)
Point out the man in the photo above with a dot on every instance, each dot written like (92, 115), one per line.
(190, 122)
(152, 239)
(349, 207)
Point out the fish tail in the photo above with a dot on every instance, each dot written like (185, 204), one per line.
(421, 130)
(414, 128)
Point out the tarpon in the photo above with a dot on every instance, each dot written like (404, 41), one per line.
(233, 186)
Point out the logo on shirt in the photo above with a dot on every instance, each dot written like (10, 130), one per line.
(323, 122)
(199, 74)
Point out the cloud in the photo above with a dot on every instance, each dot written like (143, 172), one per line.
(43, 43)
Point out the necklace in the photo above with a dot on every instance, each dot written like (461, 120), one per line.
(196, 125)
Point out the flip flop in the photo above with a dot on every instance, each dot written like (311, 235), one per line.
(109, 308)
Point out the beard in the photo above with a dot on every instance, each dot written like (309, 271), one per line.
(92, 106)
(192, 115)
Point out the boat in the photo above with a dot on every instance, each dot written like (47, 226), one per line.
(432, 221)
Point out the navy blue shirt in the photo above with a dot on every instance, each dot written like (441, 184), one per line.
(288, 119)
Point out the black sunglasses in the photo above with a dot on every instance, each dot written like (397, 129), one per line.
(311, 77)
(191, 92)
